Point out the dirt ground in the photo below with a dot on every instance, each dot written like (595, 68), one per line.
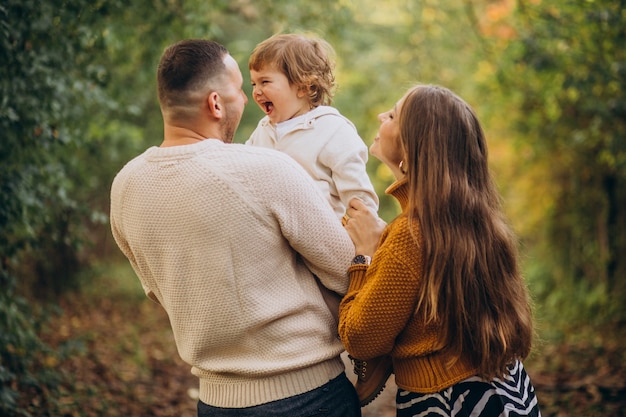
(124, 363)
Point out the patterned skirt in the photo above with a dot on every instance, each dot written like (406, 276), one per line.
(473, 397)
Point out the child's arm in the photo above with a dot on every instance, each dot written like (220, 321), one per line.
(346, 157)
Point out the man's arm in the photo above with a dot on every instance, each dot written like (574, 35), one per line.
(312, 228)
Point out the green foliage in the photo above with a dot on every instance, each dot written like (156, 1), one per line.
(568, 69)
(47, 81)
(28, 379)
(78, 100)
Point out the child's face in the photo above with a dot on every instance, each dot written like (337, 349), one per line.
(276, 97)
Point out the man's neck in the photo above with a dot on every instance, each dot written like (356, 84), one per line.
(177, 136)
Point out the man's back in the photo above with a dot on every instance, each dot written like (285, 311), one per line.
(219, 235)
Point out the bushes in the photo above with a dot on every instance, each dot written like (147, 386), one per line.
(566, 67)
(46, 87)
(28, 379)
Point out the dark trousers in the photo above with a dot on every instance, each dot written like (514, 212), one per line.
(337, 398)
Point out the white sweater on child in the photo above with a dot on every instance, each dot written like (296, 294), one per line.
(329, 148)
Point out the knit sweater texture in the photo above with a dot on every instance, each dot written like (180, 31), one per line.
(329, 148)
(377, 315)
(226, 238)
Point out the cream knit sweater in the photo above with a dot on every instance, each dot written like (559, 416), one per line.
(221, 236)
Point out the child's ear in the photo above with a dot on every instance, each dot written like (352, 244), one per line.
(302, 92)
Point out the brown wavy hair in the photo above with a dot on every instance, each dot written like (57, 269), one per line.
(472, 282)
(306, 61)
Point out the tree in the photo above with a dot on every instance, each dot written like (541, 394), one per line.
(566, 71)
(77, 101)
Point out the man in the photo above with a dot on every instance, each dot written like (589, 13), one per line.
(227, 238)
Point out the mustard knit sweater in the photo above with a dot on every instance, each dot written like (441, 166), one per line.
(377, 315)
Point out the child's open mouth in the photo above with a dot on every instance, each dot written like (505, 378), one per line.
(268, 107)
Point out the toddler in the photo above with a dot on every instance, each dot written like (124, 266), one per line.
(292, 79)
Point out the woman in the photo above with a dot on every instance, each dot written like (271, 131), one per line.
(443, 295)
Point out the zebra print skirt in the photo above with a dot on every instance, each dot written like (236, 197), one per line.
(473, 397)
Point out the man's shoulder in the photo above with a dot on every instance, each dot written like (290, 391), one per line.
(259, 154)
(261, 161)
(131, 166)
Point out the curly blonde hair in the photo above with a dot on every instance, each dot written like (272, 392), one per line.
(306, 61)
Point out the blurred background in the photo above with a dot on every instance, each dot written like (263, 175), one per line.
(78, 100)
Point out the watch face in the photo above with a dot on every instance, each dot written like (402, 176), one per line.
(361, 260)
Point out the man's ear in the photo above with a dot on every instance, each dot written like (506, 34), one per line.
(214, 105)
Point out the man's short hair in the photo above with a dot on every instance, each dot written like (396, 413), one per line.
(186, 70)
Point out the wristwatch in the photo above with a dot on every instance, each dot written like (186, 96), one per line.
(361, 260)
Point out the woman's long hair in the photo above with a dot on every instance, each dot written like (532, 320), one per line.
(472, 283)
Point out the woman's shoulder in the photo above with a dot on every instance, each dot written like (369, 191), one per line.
(399, 245)
(399, 232)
